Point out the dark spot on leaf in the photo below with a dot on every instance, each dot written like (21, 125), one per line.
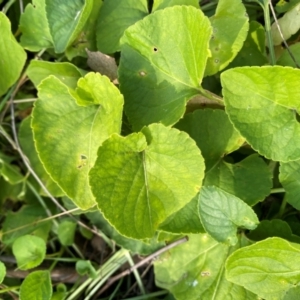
(155, 49)
(82, 156)
(217, 49)
(296, 115)
(205, 273)
(212, 37)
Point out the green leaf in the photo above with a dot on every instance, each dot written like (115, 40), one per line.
(85, 267)
(292, 294)
(27, 145)
(12, 55)
(10, 172)
(184, 221)
(140, 247)
(268, 268)
(156, 88)
(66, 19)
(230, 26)
(66, 232)
(86, 39)
(36, 286)
(139, 180)
(286, 60)
(289, 24)
(213, 133)
(161, 4)
(67, 73)
(34, 27)
(9, 191)
(29, 251)
(273, 228)
(23, 222)
(116, 16)
(2, 271)
(195, 270)
(249, 179)
(253, 52)
(222, 214)
(285, 5)
(290, 180)
(69, 135)
(261, 104)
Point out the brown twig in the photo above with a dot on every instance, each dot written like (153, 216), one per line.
(142, 262)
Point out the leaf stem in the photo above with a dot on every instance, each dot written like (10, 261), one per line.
(277, 190)
(282, 207)
(268, 32)
(211, 96)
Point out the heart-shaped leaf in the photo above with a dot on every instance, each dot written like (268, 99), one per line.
(222, 213)
(162, 64)
(262, 104)
(139, 180)
(69, 135)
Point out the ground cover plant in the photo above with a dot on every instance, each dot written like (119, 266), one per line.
(149, 149)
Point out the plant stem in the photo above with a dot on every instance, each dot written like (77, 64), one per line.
(282, 207)
(277, 190)
(268, 32)
(211, 96)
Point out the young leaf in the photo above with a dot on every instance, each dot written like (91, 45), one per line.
(67, 73)
(34, 27)
(273, 228)
(29, 251)
(161, 4)
(2, 271)
(249, 179)
(10, 172)
(85, 267)
(262, 104)
(36, 286)
(184, 221)
(222, 213)
(12, 55)
(213, 133)
(195, 270)
(139, 180)
(27, 145)
(162, 64)
(116, 16)
(290, 180)
(66, 232)
(66, 19)
(268, 268)
(230, 26)
(69, 135)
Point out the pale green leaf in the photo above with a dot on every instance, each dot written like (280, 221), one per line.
(29, 251)
(2, 271)
(268, 268)
(34, 27)
(69, 135)
(139, 180)
(10, 173)
(66, 19)
(213, 133)
(249, 179)
(286, 60)
(253, 52)
(222, 214)
(162, 64)
(289, 177)
(278, 228)
(27, 145)
(24, 221)
(66, 232)
(195, 270)
(36, 286)
(12, 55)
(185, 221)
(261, 103)
(289, 24)
(114, 18)
(230, 26)
(67, 73)
(160, 4)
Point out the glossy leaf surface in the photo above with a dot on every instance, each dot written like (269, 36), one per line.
(262, 104)
(162, 64)
(139, 180)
